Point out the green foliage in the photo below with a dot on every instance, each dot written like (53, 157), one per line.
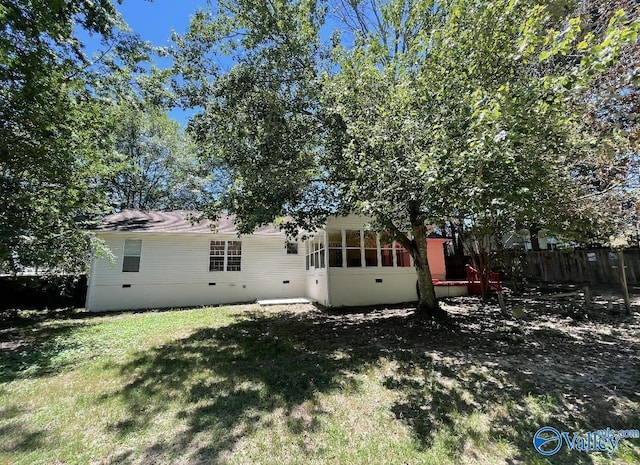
(610, 127)
(259, 126)
(419, 112)
(160, 170)
(82, 135)
(55, 131)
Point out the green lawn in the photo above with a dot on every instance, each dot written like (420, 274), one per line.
(244, 385)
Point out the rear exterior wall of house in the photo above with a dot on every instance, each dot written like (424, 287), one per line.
(180, 270)
(345, 264)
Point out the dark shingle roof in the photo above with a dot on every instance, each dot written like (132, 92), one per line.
(173, 222)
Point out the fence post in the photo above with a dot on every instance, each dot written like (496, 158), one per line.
(587, 296)
(623, 280)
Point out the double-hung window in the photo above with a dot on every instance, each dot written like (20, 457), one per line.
(216, 256)
(132, 253)
(225, 255)
(234, 255)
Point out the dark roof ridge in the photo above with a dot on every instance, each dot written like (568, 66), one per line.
(176, 221)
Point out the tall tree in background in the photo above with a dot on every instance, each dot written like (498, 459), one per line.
(421, 111)
(54, 127)
(260, 128)
(468, 123)
(611, 104)
(606, 206)
(160, 170)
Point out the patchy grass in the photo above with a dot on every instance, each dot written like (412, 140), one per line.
(294, 385)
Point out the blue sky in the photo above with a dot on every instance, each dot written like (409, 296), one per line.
(155, 21)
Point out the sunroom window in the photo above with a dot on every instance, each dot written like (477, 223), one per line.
(315, 253)
(335, 249)
(352, 242)
(370, 248)
(386, 249)
(403, 257)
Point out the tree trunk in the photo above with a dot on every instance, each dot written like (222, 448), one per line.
(535, 240)
(482, 263)
(456, 235)
(427, 304)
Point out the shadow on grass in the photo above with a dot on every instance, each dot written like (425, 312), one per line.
(36, 343)
(230, 381)
(31, 351)
(23, 437)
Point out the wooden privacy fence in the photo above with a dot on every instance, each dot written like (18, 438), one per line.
(39, 292)
(577, 266)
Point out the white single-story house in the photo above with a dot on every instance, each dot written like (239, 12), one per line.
(163, 259)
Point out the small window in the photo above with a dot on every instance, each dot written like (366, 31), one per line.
(132, 252)
(292, 248)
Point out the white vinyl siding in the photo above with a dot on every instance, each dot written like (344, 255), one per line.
(175, 272)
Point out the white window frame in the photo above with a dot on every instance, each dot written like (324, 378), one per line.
(124, 256)
(225, 256)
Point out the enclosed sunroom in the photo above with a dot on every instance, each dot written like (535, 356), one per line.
(347, 264)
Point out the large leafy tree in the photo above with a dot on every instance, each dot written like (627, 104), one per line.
(415, 113)
(611, 103)
(55, 126)
(260, 128)
(159, 168)
(605, 188)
